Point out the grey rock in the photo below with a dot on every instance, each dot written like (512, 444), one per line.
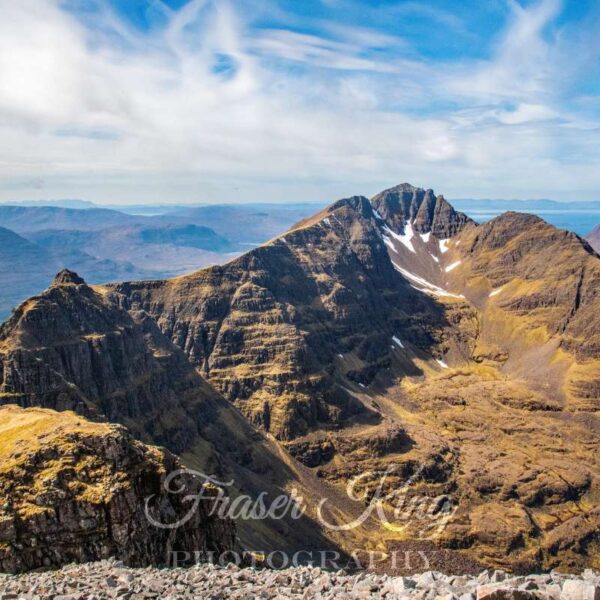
(580, 590)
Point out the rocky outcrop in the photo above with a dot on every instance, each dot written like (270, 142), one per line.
(75, 491)
(405, 203)
(71, 349)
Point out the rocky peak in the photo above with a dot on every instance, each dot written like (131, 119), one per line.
(446, 221)
(427, 212)
(360, 204)
(67, 277)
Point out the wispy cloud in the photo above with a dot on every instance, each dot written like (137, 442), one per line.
(216, 102)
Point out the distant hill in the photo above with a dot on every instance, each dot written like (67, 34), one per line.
(27, 268)
(246, 224)
(33, 218)
(60, 203)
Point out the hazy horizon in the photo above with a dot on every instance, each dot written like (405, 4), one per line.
(183, 202)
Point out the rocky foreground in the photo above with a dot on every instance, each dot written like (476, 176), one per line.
(110, 579)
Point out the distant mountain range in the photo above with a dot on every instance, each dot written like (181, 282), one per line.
(471, 203)
(105, 245)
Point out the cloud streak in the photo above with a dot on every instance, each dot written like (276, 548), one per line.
(214, 105)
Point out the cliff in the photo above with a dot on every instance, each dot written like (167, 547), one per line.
(75, 491)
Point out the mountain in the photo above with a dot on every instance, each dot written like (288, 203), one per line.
(26, 268)
(76, 492)
(193, 236)
(366, 336)
(392, 335)
(74, 347)
(406, 205)
(246, 225)
(156, 252)
(61, 203)
(23, 219)
(593, 238)
(283, 313)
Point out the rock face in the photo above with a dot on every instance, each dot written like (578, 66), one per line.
(267, 329)
(72, 349)
(429, 213)
(75, 491)
(593, 238)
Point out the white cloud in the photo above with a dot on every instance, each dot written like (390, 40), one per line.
(113, 114)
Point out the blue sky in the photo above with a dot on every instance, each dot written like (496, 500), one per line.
(218, 100)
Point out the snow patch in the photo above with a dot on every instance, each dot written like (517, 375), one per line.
(495, 292)
(437, 260)
(441, 363)
(388, 242)
(397, 341)
(405, 239)
(444, 245)
(362, 385)
(425, 236)
(452, 266)
(426, 286)
(327, 221)
(376, 213)
(341, 355)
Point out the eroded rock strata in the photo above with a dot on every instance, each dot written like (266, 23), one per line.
(75, 491)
